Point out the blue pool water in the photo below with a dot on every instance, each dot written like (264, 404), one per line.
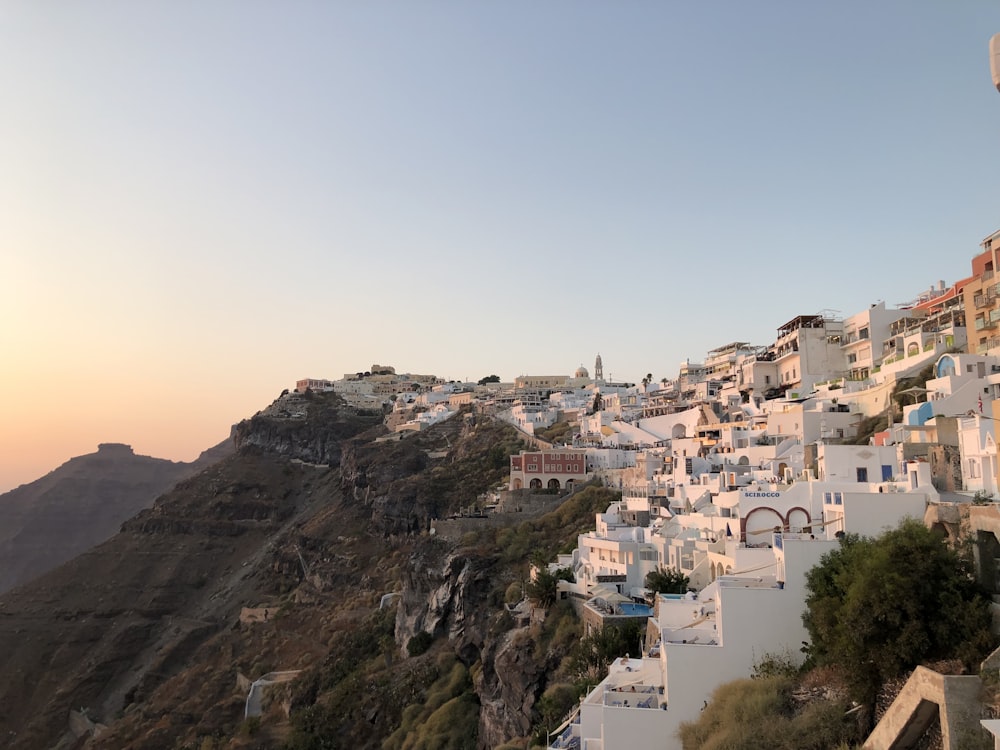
(634, 610)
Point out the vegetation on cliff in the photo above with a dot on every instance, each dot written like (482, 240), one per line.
(773, 713)
(435, 699)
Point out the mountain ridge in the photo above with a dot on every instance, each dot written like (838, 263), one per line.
(81, 503)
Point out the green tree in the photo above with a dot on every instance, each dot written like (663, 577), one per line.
(542, 591)
(667, 581)
(598, 404)
(489, 379)
(876, 608)
(590, 660)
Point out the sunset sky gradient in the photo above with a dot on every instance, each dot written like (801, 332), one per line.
(202, 202)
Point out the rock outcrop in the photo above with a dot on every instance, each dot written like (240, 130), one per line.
(508, 687)
(312, 434)
(446, 594)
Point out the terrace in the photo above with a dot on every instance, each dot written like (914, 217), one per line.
(630, 684)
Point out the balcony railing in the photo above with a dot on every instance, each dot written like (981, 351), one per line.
(993, 343)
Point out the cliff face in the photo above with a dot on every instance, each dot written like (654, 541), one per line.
(447, 594)
(430, 475)
(148, 631)
(81, 504)
(508, 686)
(311, 430)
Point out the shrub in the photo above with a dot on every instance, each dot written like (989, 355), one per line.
(419, 643)
(667, 581)
(513, 594)
(756, 714)
(879, 607)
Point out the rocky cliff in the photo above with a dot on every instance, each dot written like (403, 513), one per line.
(447, 593)
(308, 427)
(277, 559)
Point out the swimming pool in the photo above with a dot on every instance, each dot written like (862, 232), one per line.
(633, 609)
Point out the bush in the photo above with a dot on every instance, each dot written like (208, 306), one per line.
(513, 594)
(879, 607)
(446, 719)
(542, 591)
(667, 581)
(557, 701)
(593, 654)
(774, 665)
(251, 725)
(419, 643)
(757, 714)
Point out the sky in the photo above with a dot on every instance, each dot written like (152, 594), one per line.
(201, 203)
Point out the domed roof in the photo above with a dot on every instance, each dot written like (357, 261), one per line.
(581, 372)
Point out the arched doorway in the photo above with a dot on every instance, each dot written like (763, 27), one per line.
(517, 484)
(536, 484)
(553, 484)
(798, 520)
(760, 523)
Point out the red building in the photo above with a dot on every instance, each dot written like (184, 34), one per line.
(548, 469)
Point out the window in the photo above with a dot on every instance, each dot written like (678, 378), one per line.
(862, 474)
(863, 333)
(886, 473)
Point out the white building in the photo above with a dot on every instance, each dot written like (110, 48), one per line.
(963, 383)
(807, 351)
(698, 642)
(702, 643)
(864, 338)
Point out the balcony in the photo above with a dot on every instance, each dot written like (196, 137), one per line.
(993, 343)
(985, 323)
